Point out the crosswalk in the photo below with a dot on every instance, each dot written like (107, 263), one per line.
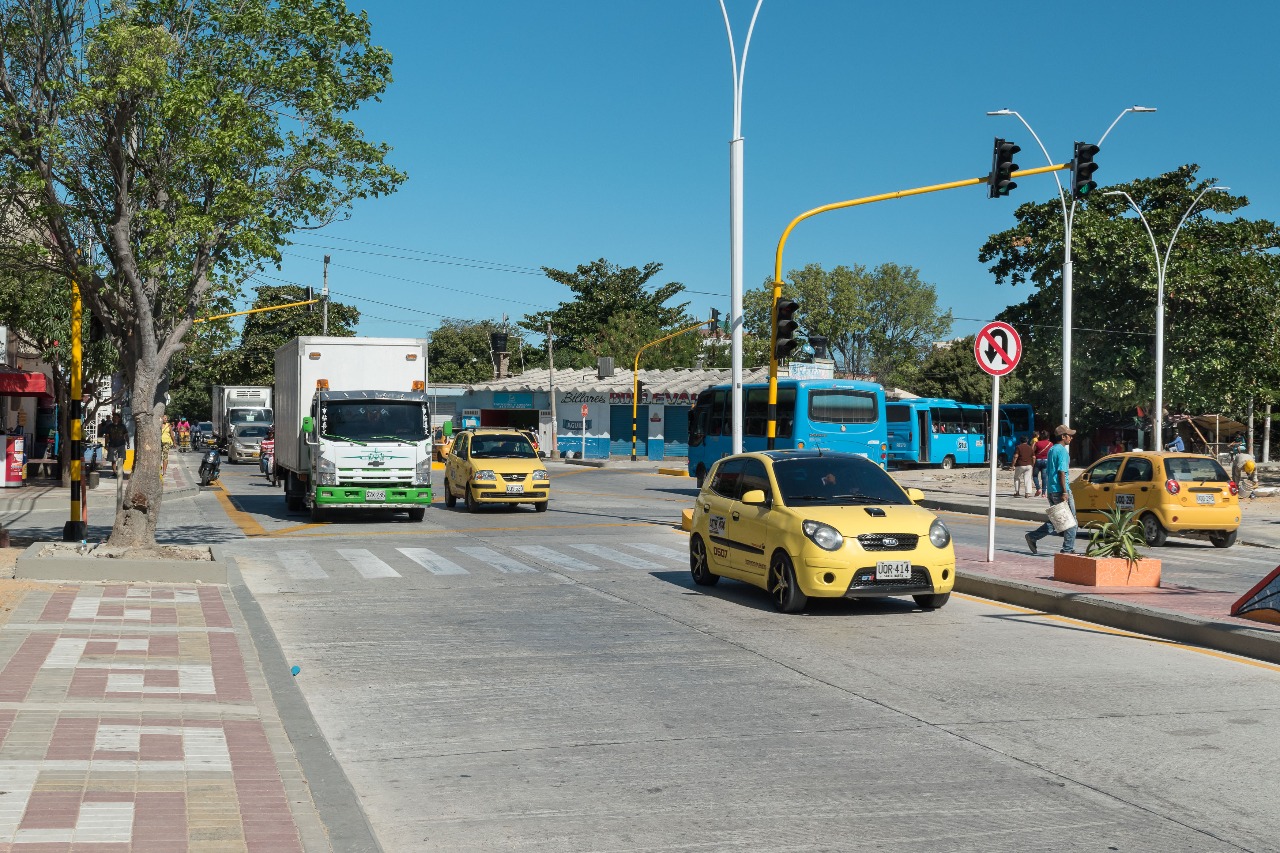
(320, 563)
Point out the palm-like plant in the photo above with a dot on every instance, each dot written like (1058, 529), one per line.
(1119, 535)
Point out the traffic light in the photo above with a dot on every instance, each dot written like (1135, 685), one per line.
(310, 296)
(1000, 181)
(1082, 169)
(784, 329)
(714, 322)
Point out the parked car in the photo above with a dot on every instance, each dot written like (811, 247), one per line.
(244, 442)
(495, 466)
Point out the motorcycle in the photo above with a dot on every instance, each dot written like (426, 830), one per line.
(210, 466)
(268, 463)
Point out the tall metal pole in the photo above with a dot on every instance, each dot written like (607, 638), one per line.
(324, 299)
(75, 530)
(993, 445)
(735, 224)
(551, 382)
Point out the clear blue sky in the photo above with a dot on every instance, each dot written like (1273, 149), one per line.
(553, 133)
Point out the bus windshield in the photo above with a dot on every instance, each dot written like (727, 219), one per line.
(374, 420)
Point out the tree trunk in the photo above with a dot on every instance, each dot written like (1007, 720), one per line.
(135, 524)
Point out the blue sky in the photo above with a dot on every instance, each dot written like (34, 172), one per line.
(553, 133)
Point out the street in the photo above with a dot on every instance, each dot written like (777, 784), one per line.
(516, 681)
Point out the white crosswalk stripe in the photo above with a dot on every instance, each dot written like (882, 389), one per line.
(367, 564)
(612, 554)
(433, 562)
(556, 559)
(660, 551)
(300, 565)
(501, 562)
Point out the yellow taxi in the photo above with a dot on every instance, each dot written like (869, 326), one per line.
(1182, 493)
(804, 524)
(494, 466)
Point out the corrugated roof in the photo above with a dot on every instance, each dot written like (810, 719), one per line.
(677, 379)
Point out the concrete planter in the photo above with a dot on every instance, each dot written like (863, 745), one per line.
(100, 564)
(1105, 571)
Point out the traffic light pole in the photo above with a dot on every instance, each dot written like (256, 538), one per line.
(635, 381)
(771, 430)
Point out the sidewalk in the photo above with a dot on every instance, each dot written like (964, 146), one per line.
(180, 482)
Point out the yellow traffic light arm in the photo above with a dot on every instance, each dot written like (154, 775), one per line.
(257, 310)
(635, 379)
(771, 429)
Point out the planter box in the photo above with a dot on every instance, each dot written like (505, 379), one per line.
(61, 562)
(1105, 571)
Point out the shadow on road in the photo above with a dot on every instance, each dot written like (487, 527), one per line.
(746, 595)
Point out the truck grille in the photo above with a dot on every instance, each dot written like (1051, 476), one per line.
(888, 541)
(374, 476)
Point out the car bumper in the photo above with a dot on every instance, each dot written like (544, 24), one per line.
(933, 571)
(484, 493)
(394, 497)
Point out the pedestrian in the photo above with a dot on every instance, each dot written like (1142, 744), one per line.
(1041, 450)
(1244, 470)
(117, 444)
(1024, 459)
(1057, 471)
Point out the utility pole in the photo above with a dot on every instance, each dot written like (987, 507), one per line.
(554, 452)
(324, 299)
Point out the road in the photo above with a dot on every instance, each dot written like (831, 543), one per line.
(554, 682)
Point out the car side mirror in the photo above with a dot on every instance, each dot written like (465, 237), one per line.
(915, 495)
(1084, 478)
(308, 425)
(755, 497)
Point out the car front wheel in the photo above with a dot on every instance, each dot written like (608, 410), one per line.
(450, 499)
(932, 601)
(783, 587)
(469, 500)
(698, 565)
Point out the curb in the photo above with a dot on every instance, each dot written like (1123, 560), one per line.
(674, 472)
(1089, 607)
(30, 566)
(589, 463)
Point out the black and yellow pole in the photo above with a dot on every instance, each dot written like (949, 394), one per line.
(635, 378)
(76, 528)
(771, 430)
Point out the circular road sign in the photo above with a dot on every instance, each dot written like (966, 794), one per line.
(997, 348)
(584, 410)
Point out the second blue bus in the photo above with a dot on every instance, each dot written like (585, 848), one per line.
(936, 431)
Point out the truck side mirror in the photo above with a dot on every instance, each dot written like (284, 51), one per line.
(448, 429)
(308, 425)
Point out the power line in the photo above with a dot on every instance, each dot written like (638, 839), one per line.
(1059, 326)
(480, 265)
(533, 270)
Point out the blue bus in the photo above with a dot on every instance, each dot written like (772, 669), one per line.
(1016, 420)
(834, 414)
(934, 431)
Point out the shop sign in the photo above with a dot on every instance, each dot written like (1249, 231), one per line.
(584, 397)
(575, 426)
(512, 400)
(655, 396)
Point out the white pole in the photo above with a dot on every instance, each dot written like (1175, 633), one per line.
(584, 436)
(1266, 437)
(992, 447)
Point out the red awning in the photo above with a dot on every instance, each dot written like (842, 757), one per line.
(22, 383)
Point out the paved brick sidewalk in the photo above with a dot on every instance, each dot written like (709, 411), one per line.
(136, 718)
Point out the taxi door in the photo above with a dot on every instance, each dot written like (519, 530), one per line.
(717, 501)
(1095, 490)
(749, 523)
(1137, 490)
(455, 464)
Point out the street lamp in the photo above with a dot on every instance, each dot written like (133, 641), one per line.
(1161, 268)
(1068, 218)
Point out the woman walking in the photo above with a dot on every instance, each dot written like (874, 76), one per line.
(1041, 449)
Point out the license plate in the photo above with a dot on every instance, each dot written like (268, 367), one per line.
(375, 494)
(515, 490)
(1204, 499)
(893, 570)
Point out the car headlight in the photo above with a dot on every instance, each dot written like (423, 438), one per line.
(422, 473)
(484, 475)
(939, 535)
(824, 536)
(541, 474)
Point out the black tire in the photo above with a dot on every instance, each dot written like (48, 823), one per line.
(450, 499)
(932, 601)
(783, 587)
(1224, 540)
(701, 474)
(1153, 531)
(948, 462)
(469, 500)
(292, 492)
(541, 506)
(418, 513)
(699, 567)
(317, 513)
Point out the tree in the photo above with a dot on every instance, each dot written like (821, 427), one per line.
(187, 139)
(604, 291)
(254, 360)
(461, 351)
(1222, 282)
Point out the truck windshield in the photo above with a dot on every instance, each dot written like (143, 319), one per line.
(257, 415)
(375, 420)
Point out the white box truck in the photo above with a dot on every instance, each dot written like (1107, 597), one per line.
(239, 404)
(353, 427)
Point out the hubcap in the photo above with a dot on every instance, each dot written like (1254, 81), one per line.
(780, 583)
(698, 556)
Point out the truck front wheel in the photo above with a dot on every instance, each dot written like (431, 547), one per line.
(317, 513)
(418, 513)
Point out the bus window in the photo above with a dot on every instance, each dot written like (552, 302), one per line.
(786, 412)
(896, 413)
(947, 420)
(842, 407)
(975, 421)
(716, 427)
(699, 414)
(757, 411)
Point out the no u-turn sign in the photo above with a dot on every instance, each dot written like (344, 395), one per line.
(997, 348)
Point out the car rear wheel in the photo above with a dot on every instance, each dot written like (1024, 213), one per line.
(450, 499)
(698, 565)
(1153, 531)
(932, 601)
(786, 593)
(1224, 540)
(948, 462)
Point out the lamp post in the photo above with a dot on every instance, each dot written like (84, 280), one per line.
(1162, 266)
(735, 225)
(1068, 218)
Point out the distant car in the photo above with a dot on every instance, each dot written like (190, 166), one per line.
(202, 434)
(804, 524)
(1168, 492)
(244, 443)
(494, 466)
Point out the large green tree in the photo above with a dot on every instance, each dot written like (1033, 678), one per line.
(1222, 287)
(461, 351)
(185, 140)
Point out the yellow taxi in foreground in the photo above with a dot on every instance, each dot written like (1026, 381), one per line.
(495, 466)
(1169, 492)
(807, 524)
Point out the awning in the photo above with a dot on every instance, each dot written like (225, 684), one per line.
(22, 383)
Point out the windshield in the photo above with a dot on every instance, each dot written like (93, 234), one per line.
(205, 426)
(501, 447)
(1187, 469)
(250, 416)
(251, 432)
(374, 420)
(835, 479)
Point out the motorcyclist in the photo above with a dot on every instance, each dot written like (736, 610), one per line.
(267, 451)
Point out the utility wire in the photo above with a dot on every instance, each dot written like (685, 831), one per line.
(478, 265)
(514, 267)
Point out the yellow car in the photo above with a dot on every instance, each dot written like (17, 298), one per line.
(494, 466)
(1169, 492)
(805, 524)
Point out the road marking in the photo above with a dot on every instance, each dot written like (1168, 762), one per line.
(433, 562)
(367, 564)
(616, 556)
(461, 531)
(248, 525)
(660, 551)
(501, 562)
(300, 565)
(555, 558)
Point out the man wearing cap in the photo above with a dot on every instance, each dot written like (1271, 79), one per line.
(1056, 473)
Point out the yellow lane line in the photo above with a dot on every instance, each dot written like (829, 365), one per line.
(557, 476)
(246, 522)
